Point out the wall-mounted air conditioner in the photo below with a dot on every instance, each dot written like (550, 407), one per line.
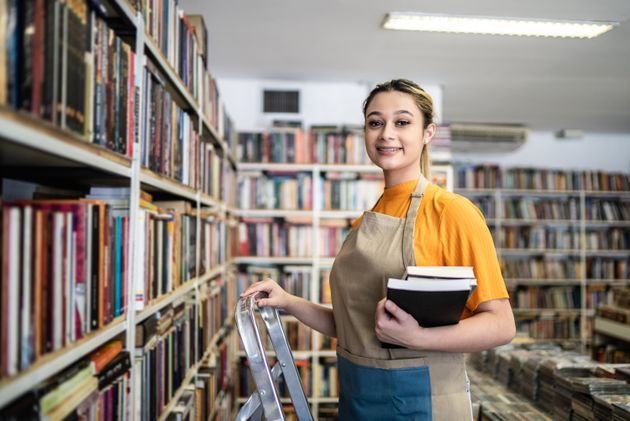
(486, 138)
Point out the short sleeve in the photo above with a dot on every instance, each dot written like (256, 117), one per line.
(467, 241)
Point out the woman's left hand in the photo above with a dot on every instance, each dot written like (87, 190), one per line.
(394, 325)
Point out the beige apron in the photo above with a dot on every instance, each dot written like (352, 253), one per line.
(379, 248)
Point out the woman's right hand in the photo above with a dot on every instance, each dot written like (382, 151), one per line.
(277, 297)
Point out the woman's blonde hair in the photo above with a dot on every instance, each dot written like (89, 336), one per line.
(425, 105)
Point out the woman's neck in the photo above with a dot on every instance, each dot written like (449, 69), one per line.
(395, 177)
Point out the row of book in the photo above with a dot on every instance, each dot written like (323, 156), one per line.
(175, 36)
(258, 190)
(65, 271)
(295, 190)
(540, 237)
(563, 237)
(168, 247)
(295, 280)
(66, 265)
(327, 383)
(542, 325)
(267, 237)
(183, 41)
(536, 267)
(67, 64)
(541, 208)
(294, 146)
(552, 297)
(489, 176)
(343, 191)
(167, 356)
(164, 355)
(94, 385)
(563, 384)
(337, 146)
(214, 174)
(170, 142)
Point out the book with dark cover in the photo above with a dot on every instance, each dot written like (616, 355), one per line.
(434, 295)
(116, 368)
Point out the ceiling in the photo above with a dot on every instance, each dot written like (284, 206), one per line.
(545, 83)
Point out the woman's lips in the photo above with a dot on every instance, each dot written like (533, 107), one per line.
(389, 150)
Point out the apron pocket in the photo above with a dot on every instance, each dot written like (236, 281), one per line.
(368, 393)
(411, 393)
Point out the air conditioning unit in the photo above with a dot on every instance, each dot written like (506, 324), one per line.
(487, 138)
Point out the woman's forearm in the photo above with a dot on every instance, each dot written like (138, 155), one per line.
(315, 316)
(483, 330)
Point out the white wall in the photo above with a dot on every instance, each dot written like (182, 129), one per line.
(338, 103)
(595, 151)
(329, 103)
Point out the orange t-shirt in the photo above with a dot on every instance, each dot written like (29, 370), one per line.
(449, 231)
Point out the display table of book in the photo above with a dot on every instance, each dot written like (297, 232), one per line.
(542, 381)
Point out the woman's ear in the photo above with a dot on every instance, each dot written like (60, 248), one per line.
(429, 132)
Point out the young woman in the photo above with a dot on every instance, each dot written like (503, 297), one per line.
(413, 223)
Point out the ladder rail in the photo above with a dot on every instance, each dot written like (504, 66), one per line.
(266, 394)
(287, 363)
(250, 336)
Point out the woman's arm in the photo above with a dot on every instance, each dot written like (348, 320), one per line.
(492, 324)
(315, 316)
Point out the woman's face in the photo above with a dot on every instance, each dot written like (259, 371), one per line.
(394, 135)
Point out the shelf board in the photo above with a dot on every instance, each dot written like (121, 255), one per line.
(540, 282)
(212, 131)
(171, 73)
(571, 252)
(612, 328)
(535, 192)
(164, 301)
(273, 260)
(55, 362)
(326, 261)
(27, 141)
(340, 214)
(171, 404)
(565, 281)
(128, 11)
(272, 166)
(209, 201)
(532, 251)
(167, 185)
(273, 213)
(525, 221)
(548, 311)
(364, 168)
(172, 296)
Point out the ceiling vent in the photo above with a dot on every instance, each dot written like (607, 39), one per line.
(275, 101)
(468, 137)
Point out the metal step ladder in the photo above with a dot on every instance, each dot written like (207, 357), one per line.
(264, 403)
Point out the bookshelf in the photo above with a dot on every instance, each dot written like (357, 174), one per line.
(561, 237)
(298, 194)
(194, 298)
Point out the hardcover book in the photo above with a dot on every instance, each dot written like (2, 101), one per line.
(433, 295)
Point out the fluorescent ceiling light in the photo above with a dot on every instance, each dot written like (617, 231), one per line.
(494, 25)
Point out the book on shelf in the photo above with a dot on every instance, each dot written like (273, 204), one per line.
(433, 295)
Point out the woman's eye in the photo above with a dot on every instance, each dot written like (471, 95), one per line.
(374, 123)
(402, 122)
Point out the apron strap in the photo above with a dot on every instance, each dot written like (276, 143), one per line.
(408, 253)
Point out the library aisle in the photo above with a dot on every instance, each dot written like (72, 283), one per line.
(141, 193)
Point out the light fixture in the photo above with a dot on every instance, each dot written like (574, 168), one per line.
(495, 25)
